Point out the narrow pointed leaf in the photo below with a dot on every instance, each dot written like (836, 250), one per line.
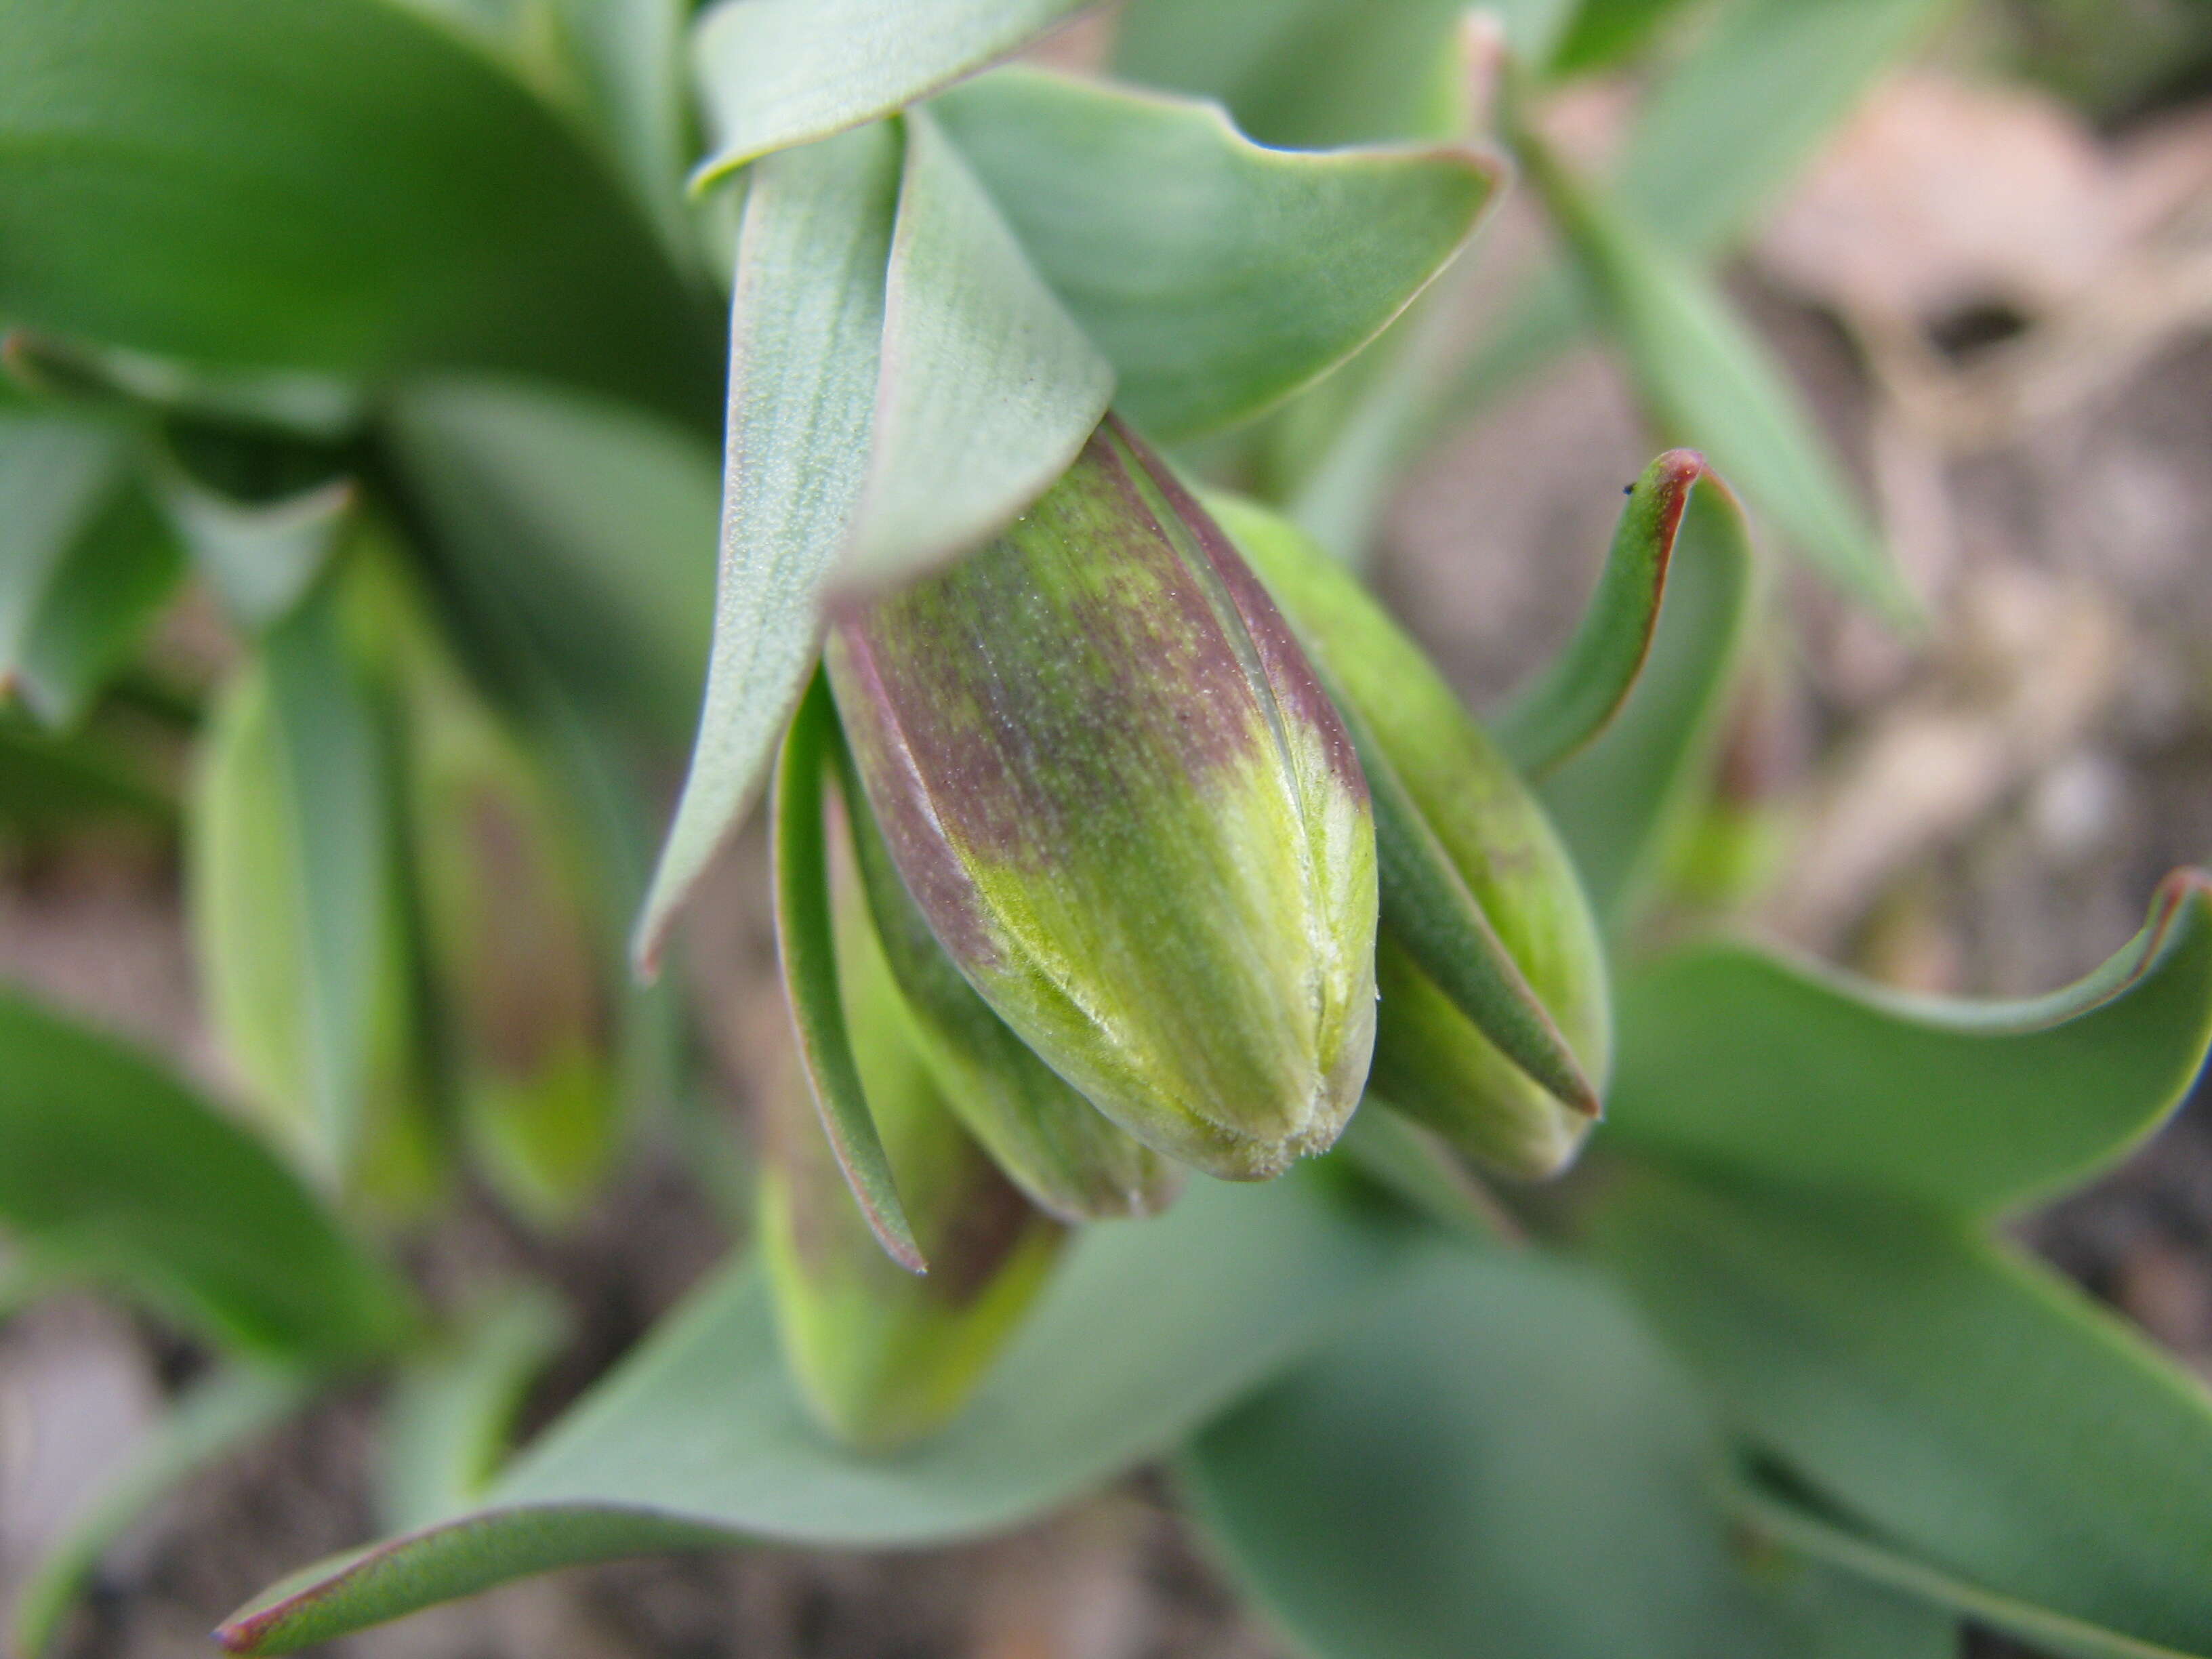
(778, 73)
(110, 1166)
(1750, 130)
(452, 1411)
(1737, 1058)
(698, 1439)
(1618, 801)
(1733, 121)
(161, 190)
(1259, 272)
(1970, 1408)
(1502, 1462)
(1776, 1516)
(594, 522)
(806, 939)
(1705, 378)
(805, 339)
(988, 388)
(1579, 691)
(215, 1417)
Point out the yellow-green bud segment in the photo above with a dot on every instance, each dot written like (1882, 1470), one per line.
(1072, 1160)
(1430, 1060)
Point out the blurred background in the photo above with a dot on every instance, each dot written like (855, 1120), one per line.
(1993, 285)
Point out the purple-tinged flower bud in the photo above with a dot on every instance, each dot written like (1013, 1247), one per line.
(1108, 777)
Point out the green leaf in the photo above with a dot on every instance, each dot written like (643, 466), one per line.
(453, 1408)
(1581, 690)
(1749, 102)
(1738, 1059)
(1502, 1463)
(1705, 378)
(215, 1417)
(1621, 800)
(988, 389)
(1308, 74)
(1605, 33)
(698, 1439)
(806, 342)
(595, 522)
(260, 557)
(84, 562)
(345, 186)
(1777, 1517)
(1736, 118)
(806, 939)
(108, 1164)
(630, 60)
(1259, 272)
(783, 72)
(1970, 1409)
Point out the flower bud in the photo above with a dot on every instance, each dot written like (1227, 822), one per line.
(1132, 820)
(1070, 1159)
(1430, 1060)
(884, 1356)
(367, 1130)
(511, 939)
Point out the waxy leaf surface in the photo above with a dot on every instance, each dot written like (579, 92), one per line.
(1966, 1405)
(1502, 1462)
(1258, 272)
(805, 339)
(988, 388)
(782, 72)
(1148, 1330)
(1738, 1059)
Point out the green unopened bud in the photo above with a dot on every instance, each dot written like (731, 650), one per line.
(343, 1087)
(1111, 782)
(1430, 1060)
(511, 936)
(884, 1356)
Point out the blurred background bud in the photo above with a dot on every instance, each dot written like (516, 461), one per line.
(511, 930)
